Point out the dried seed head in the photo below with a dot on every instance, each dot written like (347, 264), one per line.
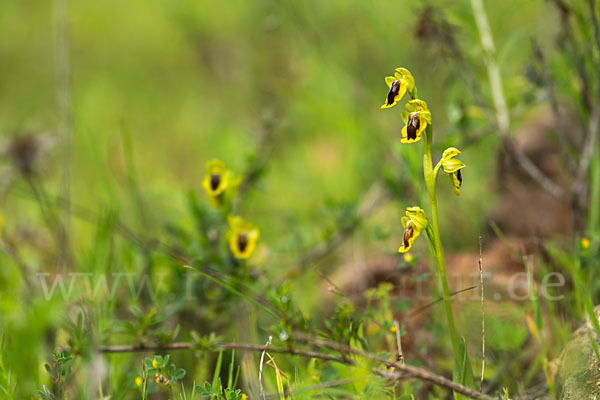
(23, 151)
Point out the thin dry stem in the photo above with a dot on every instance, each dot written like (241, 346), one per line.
(482, 314)
(399, 342)
(402, 372)
(271, 363)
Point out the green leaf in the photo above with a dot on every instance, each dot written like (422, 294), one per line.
(215, 383)
(463, 373)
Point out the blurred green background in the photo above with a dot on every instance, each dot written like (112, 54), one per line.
(193, 80)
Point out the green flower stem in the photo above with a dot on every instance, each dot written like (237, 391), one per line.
(429, 232)
(437, 243)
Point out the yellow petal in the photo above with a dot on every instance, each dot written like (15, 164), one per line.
(417, 216)
(452, 165)
(254, 234)
(235, 222)
(215, 166)
(409, 141)
(585, 243)
(217, 201)
(422, 126)
(414, 237)
(455, 183)
(407, 76)
(401, 92)
(404, 134)
(389, 80)
(404, 116)
(416, 105)
(450, 152)
(404, 220)
(425, 115)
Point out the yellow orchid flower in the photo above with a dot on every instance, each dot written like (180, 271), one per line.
(413, 222)
(398, 84)
(415, 121)
(219, 183)
(452, 167)
(242, 237)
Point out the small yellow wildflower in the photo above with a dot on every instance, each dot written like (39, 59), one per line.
(242, 237)
(138, 381)
(452, 167)
(154, 363)
(398, 84)
(414, 222)
(244, 397)
(219, 183)
(585, 243)
(415, 121)
(408, 257)
(393, 329)
(372, 329)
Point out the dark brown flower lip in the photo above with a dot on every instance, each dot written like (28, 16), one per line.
(215, 181)
(459, 177)
(394, 90)
(408, 233)
(242, 241)
(412, 125)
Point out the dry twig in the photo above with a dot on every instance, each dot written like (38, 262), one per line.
(399, 342)
(482, 315)
(402, 371)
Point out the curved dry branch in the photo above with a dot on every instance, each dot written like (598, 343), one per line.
(401, 372)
